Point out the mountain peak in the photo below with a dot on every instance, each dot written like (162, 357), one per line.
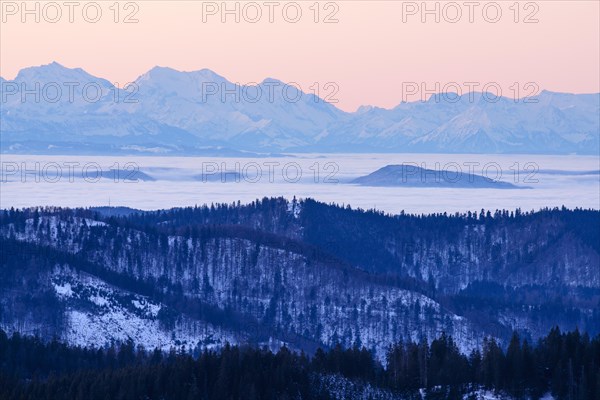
(52, 67)
(55, 72)
(208, 75)
(159, 73)
(365, 109)
(158, 70)
(272, 81)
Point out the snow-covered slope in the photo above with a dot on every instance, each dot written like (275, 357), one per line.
(98, 313)
(301, 273)
(280, 292)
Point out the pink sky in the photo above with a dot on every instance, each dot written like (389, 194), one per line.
(369, 53)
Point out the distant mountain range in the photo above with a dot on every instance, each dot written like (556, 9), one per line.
(201, 113)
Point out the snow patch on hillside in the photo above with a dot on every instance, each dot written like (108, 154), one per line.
(64, 290)
(99, 314)
(294, 208)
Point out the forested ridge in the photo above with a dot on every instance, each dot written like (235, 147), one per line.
(303, 275)
(567, 365)
(302, 272)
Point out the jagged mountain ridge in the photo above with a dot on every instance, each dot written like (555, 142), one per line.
(173, 112)
(281, 272)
